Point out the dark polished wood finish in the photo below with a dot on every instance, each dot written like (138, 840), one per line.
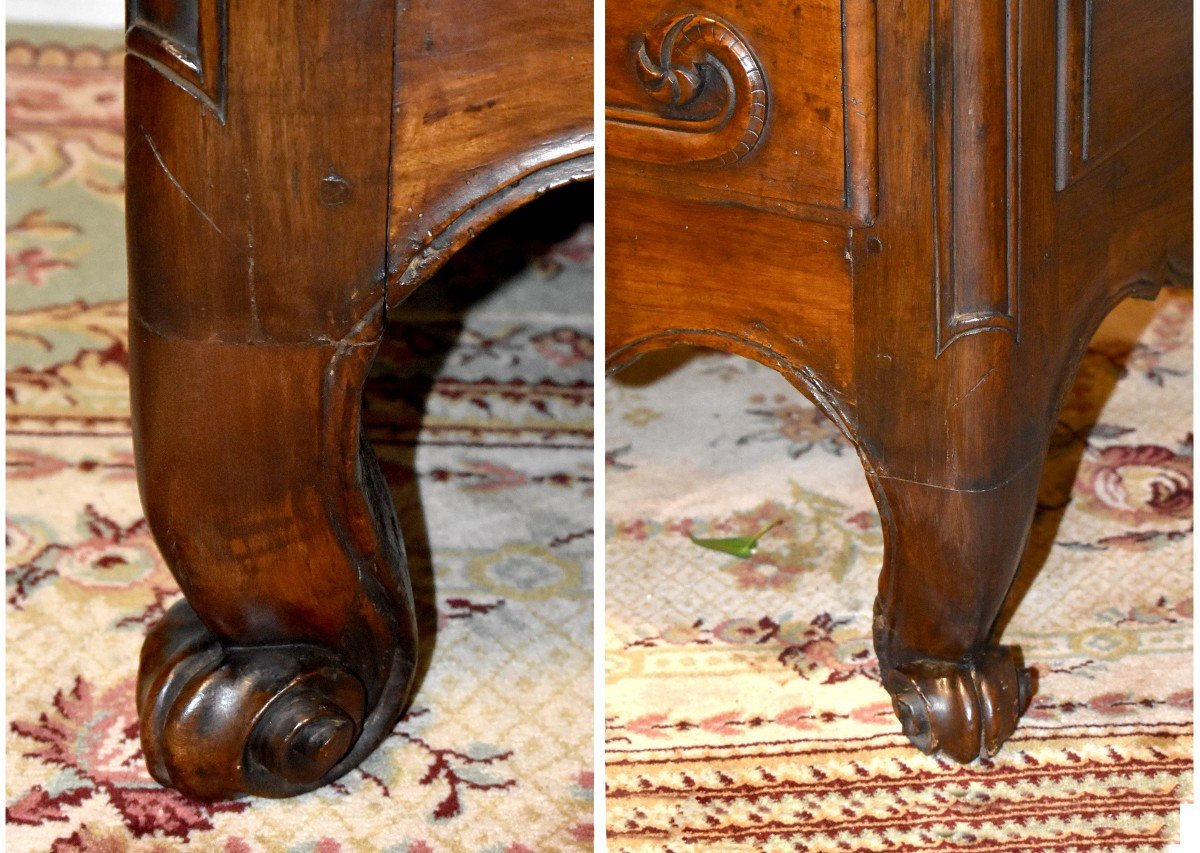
(919, 213)
(295, 170)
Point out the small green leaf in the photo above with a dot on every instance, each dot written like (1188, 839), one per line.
(738, 546)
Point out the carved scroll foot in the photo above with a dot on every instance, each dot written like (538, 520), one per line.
(258, 255)
(950, 558)
(966, 709)
(272, 721)
(293, 655)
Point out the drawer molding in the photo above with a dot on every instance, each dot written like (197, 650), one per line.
(710, 92)
(774, 108)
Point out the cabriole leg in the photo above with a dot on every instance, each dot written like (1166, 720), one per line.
(257, 203)
(950, 559)
(292, 656)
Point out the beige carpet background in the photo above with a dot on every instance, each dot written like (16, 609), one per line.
(743, 704)
(485, 393)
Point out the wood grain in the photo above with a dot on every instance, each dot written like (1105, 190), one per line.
(1110, 87)
(490, 111)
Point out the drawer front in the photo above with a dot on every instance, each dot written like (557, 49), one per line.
(770, 105)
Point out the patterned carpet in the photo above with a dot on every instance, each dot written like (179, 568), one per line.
(743, 704)
(484, 392)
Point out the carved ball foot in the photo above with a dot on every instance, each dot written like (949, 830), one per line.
(218, 722)
(966, 709)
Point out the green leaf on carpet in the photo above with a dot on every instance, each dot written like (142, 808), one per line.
(738, 546)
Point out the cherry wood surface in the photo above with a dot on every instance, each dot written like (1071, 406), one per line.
(918, 213)
(294, 170)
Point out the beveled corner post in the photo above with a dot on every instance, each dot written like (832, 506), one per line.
(258, 174)
(957, 484)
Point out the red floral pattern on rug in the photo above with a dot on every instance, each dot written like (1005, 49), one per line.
(1135, 485)
(92, 736)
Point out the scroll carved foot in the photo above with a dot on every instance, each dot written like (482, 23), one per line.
(950, 556)
(966, 709)
(257, 303)
(293, 655)
(218, 721)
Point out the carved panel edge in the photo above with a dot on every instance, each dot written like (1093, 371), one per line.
(1084, 136)
(194, 60)
(458, 218)
(860, 102)
(974, 52)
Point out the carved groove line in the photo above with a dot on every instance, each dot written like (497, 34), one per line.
(1073, 91)
(679, 63)
(1085, 131)
(975, 276)
(188, 49)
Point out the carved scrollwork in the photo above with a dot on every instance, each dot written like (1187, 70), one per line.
(711, 92)
(666, 81)
(218, 722)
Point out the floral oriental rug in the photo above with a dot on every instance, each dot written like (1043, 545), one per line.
(743, 705)
(480, 409)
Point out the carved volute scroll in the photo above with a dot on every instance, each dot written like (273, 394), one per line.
(706, 96)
